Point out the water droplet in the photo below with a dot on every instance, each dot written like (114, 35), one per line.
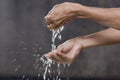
(23, 77)
(18, 67)
(35, 50)
(14, 60)
(38, 55)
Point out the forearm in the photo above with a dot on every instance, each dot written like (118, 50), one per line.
(104, 37)
(109, 17)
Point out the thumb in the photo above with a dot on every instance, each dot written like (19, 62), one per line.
(62, 48)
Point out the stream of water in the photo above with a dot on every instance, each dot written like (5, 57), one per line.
(47, 68)
(47, 63)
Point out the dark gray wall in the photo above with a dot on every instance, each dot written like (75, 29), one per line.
(23, 33)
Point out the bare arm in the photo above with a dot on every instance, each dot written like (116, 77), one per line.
(104, 37)
(63, 13)
(69, 50)
(109, 17)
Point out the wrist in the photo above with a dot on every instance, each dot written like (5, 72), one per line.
(79, 41)
(78, 10)
(81, 11)
(92, 13)
(84, 42)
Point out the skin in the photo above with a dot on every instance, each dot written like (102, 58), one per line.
(63, 13)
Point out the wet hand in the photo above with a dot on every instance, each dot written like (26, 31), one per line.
(66, 52)
(61, 14)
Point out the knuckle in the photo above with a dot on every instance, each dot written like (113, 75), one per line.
(56, 5)
(49, 27)
(52, 19)
(66, 2)
(47, 18)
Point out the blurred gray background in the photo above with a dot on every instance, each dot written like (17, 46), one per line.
(23, 34)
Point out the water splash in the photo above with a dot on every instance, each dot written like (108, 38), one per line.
(48, 62)
(17, 68)
(55, 34)
(46, 66)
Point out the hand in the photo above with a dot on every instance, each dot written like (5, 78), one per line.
(66, 52)
(61, 14)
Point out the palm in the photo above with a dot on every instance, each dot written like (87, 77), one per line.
(66, 52)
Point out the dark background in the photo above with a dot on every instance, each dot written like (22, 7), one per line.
(23, 34)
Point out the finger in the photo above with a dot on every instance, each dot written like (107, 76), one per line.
(51, 26)
(48, 55)
(51, 55)
(67, 21)
(60, 48)
(63, 57)
(54, 22)
(64, 48)
(67, 47)
(51, 17)
(58, 59)
(48, 19)
(53, 59)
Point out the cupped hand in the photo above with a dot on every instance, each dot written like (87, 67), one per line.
(61, 14)
(66, 52)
